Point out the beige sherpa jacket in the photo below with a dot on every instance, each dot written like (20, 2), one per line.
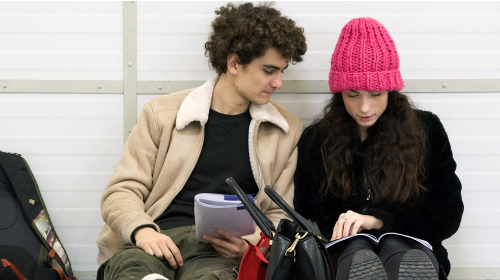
(163, 148)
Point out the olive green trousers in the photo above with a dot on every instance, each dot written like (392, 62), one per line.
(201, 261)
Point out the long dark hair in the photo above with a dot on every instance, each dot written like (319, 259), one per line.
(394, 156)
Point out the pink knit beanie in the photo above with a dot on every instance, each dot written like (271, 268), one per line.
(365, 58)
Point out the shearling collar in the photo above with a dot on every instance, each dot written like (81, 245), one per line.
(196, 106)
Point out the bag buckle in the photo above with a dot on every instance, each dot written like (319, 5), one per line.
(294, 244)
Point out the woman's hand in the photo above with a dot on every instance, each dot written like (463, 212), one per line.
(351, 223)
(233, 247)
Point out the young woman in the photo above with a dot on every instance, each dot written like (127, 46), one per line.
(373, 163)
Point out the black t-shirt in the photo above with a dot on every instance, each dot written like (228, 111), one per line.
(224, 154)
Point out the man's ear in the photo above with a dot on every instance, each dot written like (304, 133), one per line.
(232, 64)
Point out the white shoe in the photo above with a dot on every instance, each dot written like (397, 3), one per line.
(154, 276)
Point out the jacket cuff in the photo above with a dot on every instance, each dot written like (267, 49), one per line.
(132, 236)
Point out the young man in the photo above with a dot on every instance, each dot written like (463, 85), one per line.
(189, 142)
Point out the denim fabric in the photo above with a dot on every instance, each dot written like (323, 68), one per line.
(201, 261)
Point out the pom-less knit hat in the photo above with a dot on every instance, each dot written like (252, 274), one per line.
(365, 58)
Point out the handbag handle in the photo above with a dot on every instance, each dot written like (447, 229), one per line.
(265, 225)
(301, 221)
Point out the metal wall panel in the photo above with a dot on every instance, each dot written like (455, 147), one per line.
(74, 141)
(436, 40)
(61, 40)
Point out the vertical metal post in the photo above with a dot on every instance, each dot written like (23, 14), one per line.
(129, 66)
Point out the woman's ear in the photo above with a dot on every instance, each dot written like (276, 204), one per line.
(232, 63)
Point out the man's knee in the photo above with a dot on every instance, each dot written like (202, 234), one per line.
(132, 262)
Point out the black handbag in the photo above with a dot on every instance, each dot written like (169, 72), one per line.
(297, 250)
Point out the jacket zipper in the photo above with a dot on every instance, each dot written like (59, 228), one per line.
(369, 196)
(367, 187)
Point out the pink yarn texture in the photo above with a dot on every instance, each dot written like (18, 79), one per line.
(365, 58)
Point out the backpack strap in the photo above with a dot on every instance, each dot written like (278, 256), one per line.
(62, 276)
(30, 268)
(28, 193)
(18, 273)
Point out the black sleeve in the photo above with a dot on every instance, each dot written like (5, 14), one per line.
(307, 200)
(437, 214)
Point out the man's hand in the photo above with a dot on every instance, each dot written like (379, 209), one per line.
(158, 245)
(233, 247)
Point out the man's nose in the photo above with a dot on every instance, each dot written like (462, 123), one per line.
(277, 83)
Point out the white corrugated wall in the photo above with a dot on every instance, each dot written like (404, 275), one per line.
(72, 136)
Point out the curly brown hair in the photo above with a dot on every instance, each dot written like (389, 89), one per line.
(394, 157)
(248, 31)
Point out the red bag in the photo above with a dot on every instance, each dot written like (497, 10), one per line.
(253, 265)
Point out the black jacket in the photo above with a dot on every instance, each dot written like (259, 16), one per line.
(434, 217)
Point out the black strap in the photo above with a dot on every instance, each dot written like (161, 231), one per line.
(301, 221)
(265, 225)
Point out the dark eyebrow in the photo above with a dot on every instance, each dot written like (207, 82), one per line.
(355, 91)
(275, 67)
